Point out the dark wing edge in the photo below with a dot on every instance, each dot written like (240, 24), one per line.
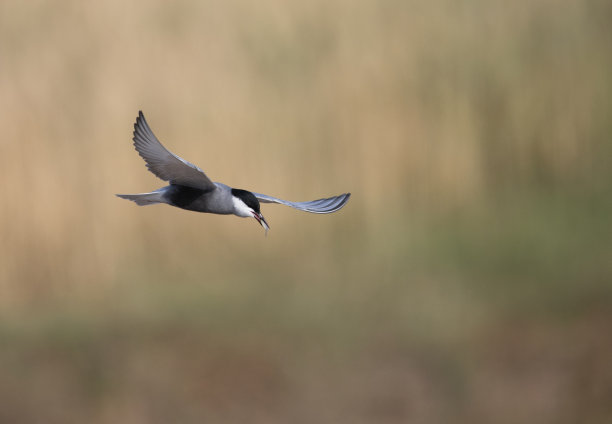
(327, 205)
(163, 163)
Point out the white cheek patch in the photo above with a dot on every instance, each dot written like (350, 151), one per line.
(241, 209)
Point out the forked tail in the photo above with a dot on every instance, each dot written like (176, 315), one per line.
(144, 199)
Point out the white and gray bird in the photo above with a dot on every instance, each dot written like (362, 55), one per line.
(192, 190)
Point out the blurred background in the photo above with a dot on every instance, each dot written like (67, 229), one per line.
(468, 280)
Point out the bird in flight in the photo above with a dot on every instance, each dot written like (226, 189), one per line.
(192, 190)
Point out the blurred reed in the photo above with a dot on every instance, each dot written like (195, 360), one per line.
(468, 279)
(418, 108)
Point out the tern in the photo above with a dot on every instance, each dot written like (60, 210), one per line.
(192, 190)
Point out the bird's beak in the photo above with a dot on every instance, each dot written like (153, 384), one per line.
(262, 221)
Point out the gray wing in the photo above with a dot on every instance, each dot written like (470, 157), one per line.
(328, 205)
(165, 164)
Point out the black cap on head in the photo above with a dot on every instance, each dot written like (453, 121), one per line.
(247, 197)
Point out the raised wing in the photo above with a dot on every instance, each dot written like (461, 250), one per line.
(328, 205)
(165, 164)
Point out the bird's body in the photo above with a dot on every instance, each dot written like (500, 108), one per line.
(217, 201)
(192, 190)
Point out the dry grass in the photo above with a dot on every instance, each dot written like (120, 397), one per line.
(475, 137)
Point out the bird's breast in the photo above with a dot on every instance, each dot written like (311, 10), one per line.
(198, 200)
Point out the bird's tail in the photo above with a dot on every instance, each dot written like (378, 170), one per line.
(144, 199)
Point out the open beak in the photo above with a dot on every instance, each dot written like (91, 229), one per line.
(262, 221)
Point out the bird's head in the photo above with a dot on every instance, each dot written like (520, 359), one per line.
(246, 205)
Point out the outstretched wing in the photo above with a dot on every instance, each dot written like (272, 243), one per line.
(328, 205)
(165, 164)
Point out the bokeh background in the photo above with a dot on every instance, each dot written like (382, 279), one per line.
(468, 280)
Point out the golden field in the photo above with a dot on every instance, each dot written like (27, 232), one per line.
(469, 278)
